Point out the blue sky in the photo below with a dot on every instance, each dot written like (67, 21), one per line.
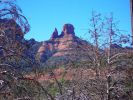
(45, 15)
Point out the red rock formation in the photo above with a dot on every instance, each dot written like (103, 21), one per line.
(54, 35)
(67, 29)
(59, 46)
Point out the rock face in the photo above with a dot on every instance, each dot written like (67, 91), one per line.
(67, 29)
(61, 48)
(54, 35)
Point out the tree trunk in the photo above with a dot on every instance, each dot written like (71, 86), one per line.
(131, 9)
(108, 87)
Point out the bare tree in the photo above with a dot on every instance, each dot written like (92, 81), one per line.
(14, 85)
(95, 31)
(115, 56)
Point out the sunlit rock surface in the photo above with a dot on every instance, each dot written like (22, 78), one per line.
(62, 48)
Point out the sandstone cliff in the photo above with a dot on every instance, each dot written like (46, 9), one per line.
(62, 48)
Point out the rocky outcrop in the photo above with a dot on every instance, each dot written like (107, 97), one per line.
(55, 34)
(61, 48)
(67, 29)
